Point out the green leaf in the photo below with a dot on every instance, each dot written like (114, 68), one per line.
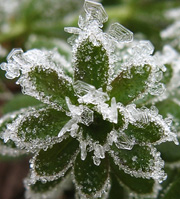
(41, 187)
(126, 89)
(116, 189)
(19, 101)
(170, 107)
(146, 133)
(9, 148)
(140, 160)
(173, 190)
(167, 75)
(90, 179)
(51, 86)
(91, 64)
(56, 160)
(98, 130)
(172, 175)
(133, 184)
(170, 152)
(41, 123)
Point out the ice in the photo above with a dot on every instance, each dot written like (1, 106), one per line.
(99, 151)
(96, 160)
(96, 11)
(107, 112)
(120, 33)
(83, 145)
(121, 140)
(70, 126)
(79, 114)
(88, 94)
(72, 30)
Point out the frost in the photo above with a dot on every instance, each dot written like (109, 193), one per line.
(120, 33)
(121, 140)
(96, 12)
(88, 94)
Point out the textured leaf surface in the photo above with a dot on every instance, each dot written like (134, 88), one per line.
(140, 160)
(51, 86)
(126, 89)
(116, 189)
(90, 178)
(170, 152)
(170, 107)
(134, 184)
(9, 148)
(146, 133)
(42, 123)
(41, 187)
(91, 64)
(168, 74)
(56, 159)
(98, 130)
(19, 101)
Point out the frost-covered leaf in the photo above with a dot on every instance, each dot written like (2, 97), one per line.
(170, 107)
(91, 63)
(147, 126)
(19, 101)
(53, 162)
(9, 148)
(146, 132)
(47, 189)
(140, 161)
(39, 126)
(134, 184)
(51, 86)
(129, 85)
(98, 130)
(40, 76)
(91, 180)
(168, 74)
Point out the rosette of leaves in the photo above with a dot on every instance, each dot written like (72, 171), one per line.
(87, 126)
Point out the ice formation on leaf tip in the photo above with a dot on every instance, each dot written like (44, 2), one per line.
(83, 124)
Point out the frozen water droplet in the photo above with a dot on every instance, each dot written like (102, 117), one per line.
(72, 30)
(95, 11)
(114, 114)
(96, 161)
(134, 158)
(99, 151)
(120, 33)
(83, 145)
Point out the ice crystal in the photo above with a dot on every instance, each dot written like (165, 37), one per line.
(89, 125)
